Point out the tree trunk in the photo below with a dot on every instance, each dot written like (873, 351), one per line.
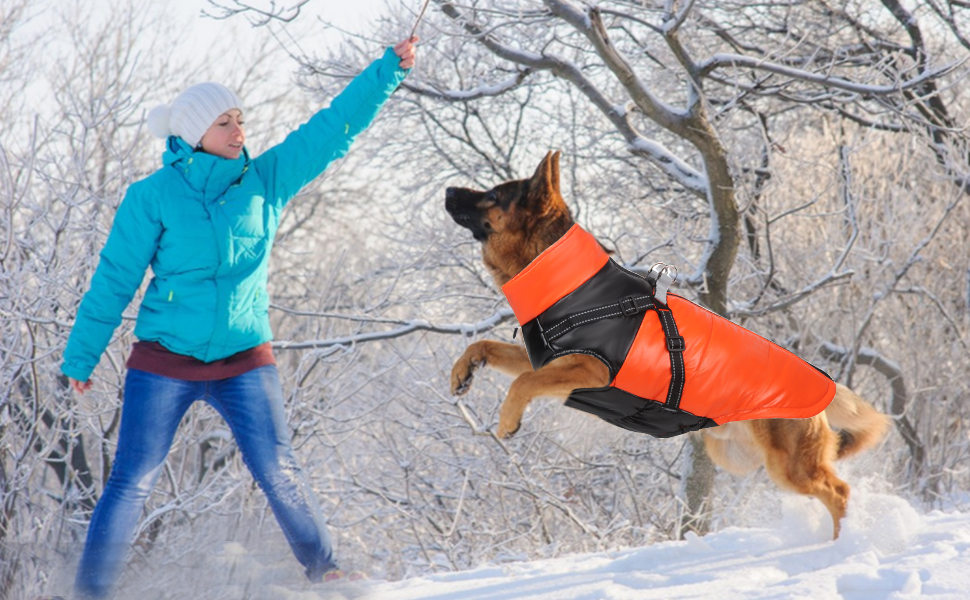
(696, 488)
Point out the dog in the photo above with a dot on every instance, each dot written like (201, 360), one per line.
(515, 222)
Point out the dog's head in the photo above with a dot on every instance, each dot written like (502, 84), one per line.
(516, 220)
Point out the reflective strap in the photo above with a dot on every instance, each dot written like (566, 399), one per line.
(625, 307)
(628, 307)
(675, 348)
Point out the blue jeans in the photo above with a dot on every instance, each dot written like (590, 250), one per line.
(252, 405)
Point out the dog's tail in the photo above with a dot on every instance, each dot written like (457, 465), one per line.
(860, 425)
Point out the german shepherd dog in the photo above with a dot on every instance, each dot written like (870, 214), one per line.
(515, 222)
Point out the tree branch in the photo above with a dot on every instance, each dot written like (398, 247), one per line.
(465, 329)
(899, 399)
(262, 17)
(673, 166)
(736, 60)
(482, 91)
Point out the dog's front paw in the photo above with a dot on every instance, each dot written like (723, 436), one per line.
(462, 375)
(504, 432)
(509, 421)
(463, 372)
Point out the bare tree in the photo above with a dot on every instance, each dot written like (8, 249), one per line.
(692, 88)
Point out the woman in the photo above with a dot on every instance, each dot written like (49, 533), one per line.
(205, 223)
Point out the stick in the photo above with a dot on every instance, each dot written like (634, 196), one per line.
(424, 7)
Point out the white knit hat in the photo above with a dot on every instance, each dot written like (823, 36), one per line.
(192, 112)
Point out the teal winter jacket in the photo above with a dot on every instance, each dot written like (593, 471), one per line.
(205, 225)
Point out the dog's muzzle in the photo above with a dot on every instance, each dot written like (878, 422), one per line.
(464, 212)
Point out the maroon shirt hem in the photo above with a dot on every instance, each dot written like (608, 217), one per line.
(156, 358)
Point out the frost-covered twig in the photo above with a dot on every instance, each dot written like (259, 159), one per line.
(672, 165)
(476, 93)
(464, 329)
(899, 399)
(257, 16)
(737, 60)
(828, 279)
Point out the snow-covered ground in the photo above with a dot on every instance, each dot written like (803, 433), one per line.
(887, 551)
(892, 554)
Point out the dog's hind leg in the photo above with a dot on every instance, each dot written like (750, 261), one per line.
(510, 359)
(799, 456)
(732, 448)
(818, 480)
(555, 380)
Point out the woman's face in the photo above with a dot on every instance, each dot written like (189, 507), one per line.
(226, 136)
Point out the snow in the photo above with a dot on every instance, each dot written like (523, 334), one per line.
(887, 551)
(673, 165)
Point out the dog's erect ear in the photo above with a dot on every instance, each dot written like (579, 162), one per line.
(545, 181)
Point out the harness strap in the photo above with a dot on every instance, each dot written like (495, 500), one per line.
(675, 348)
(628, 307)
(625, 307)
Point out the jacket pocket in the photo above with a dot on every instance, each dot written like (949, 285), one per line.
(173, 309)
(260, 303)
(158, 313)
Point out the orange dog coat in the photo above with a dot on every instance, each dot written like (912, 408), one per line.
(674, 367)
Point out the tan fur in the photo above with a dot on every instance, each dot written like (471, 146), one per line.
(555, 380)
(854, 416)
(798, 454)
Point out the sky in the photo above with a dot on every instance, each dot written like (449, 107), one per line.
(349, 14)
(203, 41)
(199, 30)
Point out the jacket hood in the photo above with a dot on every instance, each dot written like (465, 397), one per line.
(204, 172)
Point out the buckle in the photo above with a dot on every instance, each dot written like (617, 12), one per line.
(676, 343)
(628, 306)
(660, 278)
(654, 273)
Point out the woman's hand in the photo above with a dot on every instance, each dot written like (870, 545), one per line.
(406, 51)
(80, 386)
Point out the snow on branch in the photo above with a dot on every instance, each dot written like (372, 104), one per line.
(590, 24)
(482, 91)
(257, 16)
(899, 401)
(672, 24)
(736, 60)
(671, 164)
(516, 55)
(795, 297)
(406, 328)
